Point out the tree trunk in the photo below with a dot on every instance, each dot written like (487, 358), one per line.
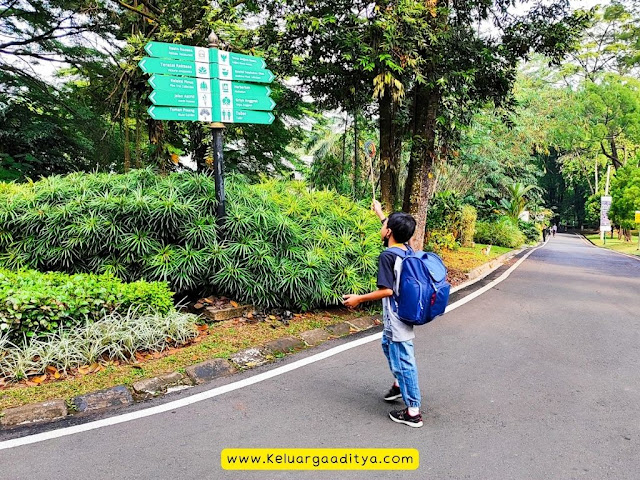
(419, 187)
(127, 144)
(356, 162)
(390, 150)
(613, 156)
(138, 147)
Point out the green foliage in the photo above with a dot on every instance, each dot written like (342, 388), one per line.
(468, 217)
(444, 211)
(625, 192)
(503, 232)
(531, 231)
(115, 337)
(516, 201)
(439, 240)
(282, 245)
(33, 303)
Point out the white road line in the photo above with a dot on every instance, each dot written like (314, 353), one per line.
(198, 397)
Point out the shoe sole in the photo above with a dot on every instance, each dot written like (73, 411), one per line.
(404, 422)
(391, 399)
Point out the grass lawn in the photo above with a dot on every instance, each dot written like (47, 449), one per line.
(630, 248)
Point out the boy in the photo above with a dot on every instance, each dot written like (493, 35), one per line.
(397, 336)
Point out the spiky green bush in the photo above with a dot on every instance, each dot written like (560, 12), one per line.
(282, 244)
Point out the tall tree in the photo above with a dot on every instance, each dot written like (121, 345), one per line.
(431, 52)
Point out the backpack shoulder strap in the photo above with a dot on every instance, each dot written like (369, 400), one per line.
(400, 252)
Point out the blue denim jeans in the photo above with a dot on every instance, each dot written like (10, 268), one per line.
(402, 363)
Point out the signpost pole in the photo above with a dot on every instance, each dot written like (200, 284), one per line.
(217, 131)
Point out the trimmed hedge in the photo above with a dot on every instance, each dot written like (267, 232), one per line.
(33, 303)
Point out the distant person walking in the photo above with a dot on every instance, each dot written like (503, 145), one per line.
(554, 229)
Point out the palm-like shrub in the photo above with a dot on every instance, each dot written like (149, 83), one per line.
(281, 245)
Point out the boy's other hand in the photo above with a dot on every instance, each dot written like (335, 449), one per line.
(351, 301)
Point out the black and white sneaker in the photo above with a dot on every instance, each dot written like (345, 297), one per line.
(402, 416)
(393, 394)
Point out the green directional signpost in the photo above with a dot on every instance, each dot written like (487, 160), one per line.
(208, 85)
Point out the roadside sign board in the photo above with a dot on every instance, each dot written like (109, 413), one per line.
(192, 92)
(175, 67)
(207, 115)
(177, 52)
(203, 54)
(205, 70)
(605, 206)
(207, 84)
(637, 216)
(243, 96)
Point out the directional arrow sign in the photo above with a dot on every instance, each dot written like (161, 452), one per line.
(204, 115)
(177, 52)
(243, 116)
(204, 70)
(243, 74)
(180, 113)
(161, 97)
(242, 95)
(236, 59)
(175, 67)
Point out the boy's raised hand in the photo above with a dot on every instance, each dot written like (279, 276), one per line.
(351, 300)
(377, 207)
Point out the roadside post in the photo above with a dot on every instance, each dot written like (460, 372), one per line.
(217, 132)
(605, 223)
(638, 227)
(605, 206)
(207, 84)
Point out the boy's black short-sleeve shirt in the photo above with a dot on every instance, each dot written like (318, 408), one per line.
(394, 329)
(386, 264)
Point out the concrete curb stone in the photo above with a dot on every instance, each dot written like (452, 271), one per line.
(109, 397)
(157, 385)
(339, 329)
(36, 412)
(315, 336)
(282, 345)
(364, 323)
(251, 357)
(209, 370)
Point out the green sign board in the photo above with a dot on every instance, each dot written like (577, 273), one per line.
(177, 84)
(204, 70)
(179, 99)
(202, 54)
(173, 113)
(175, 67)
(191, 92)
(207, 84)
(241, 95)
(245, 116)
(177, 52)
(236, 59)
(205, 114)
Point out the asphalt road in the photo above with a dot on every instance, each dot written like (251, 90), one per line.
(538, 378)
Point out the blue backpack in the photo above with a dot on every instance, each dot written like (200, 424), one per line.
(424, 291)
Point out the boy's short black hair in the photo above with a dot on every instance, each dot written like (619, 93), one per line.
(402, 225)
